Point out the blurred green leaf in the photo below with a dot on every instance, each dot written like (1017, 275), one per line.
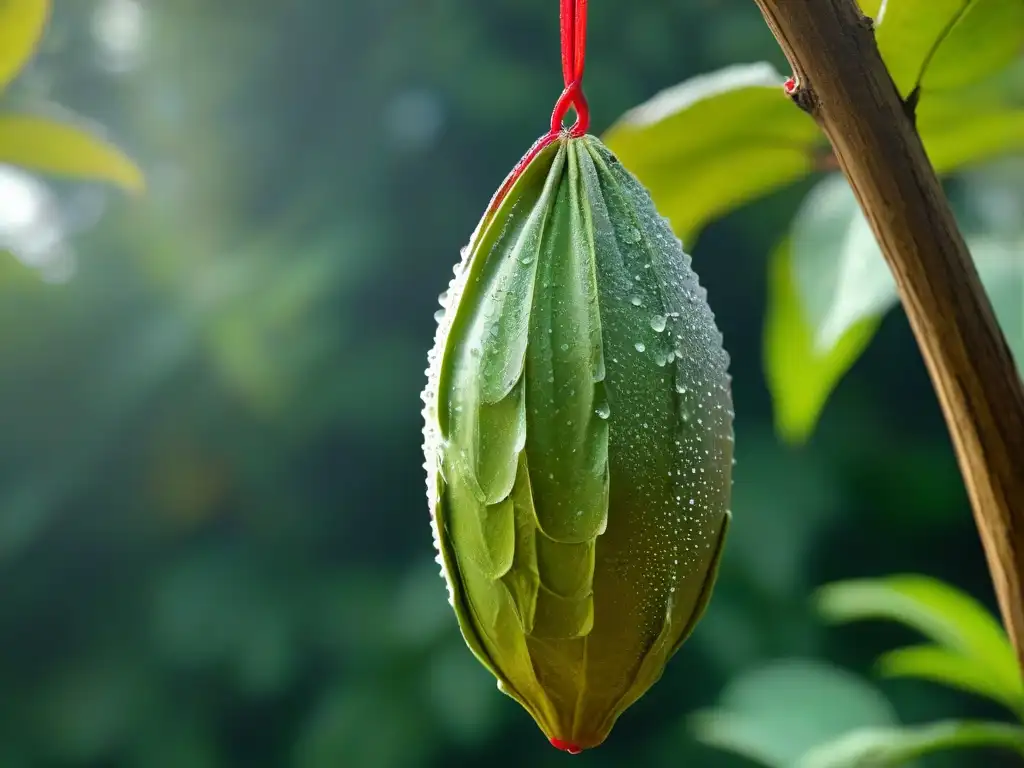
(891, 747)
(939, 611)
(984, 39)
(932, 607)
(911, 33)
(958, 133)
(838, 268)
(799, 373)
(941, 665)
(21, 26)
(778, 713)
(1000, 263)
(870, 7)
(992, 201)
(761, 144)
(708, 145)
(62, 149)
(843, 288)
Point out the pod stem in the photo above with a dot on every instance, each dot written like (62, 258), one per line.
(841, 80)
(573, 30)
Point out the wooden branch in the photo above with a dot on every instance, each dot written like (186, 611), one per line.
(841, 81)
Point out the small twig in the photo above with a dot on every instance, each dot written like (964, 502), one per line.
(910, 104)
(849, 92)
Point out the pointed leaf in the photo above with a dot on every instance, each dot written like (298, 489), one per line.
(910, 34)
(714, 142)
(800, 375)
(940, 665)
(779, 712)
(891, 747)
(21, 26)
(942, 613)
(986, 37)
(62, 149)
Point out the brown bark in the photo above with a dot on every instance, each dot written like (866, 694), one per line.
(842, 82)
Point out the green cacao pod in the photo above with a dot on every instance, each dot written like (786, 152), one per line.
(578, 442)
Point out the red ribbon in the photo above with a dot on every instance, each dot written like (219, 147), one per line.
(574, 54)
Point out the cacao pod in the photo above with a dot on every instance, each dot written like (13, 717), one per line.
(578, 441)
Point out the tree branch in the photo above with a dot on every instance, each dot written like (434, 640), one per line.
(841, 80)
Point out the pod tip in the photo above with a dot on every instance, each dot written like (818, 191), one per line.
(565, 746)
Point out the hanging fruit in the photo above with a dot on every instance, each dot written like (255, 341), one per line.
(578, 432)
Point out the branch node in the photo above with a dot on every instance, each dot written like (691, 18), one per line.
(801, 95)
(910, 104)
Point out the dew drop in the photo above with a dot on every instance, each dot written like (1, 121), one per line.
(439, 315)
(658, 323)
(640, 346)
(603, 411)
(636, 301)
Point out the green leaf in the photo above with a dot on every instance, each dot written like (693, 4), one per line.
(940, 612)
(870, 7)
(800, 374)
(21, 26)
(840, 274)
(62, 149)
(779, 712)
(843, 287)
(941, 665)
(957, 133)
(714, 142)
(839, 269)
(837, 263)
(986, 37)
(911, 32)
(1000, 264)
(993, 201)
(891, 747)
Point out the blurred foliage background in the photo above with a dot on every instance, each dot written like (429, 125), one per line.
(214, 542)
